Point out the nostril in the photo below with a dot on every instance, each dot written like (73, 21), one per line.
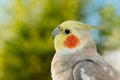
(58, 27)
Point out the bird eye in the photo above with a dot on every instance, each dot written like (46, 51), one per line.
(67, 31)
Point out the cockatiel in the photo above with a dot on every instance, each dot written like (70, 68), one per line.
(76, 57)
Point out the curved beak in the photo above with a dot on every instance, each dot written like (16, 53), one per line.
(55, 32)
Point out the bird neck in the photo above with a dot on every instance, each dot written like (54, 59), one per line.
(64, 60)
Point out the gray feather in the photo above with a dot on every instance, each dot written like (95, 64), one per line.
(91, 69)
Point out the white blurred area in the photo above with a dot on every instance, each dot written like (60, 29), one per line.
(113, 58)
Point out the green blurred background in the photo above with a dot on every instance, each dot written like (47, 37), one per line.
(26, 46)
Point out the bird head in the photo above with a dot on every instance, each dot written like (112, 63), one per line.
(71, 35)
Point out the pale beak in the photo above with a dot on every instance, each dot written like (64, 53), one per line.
(55, 32)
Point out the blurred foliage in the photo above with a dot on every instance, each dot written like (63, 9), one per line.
(26, 47)
(110, 19)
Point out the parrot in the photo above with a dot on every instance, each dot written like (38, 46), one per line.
(76, 56)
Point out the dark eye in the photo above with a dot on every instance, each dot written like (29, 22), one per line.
(67, 31)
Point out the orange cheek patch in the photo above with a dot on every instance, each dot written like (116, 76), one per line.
(71, 41)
